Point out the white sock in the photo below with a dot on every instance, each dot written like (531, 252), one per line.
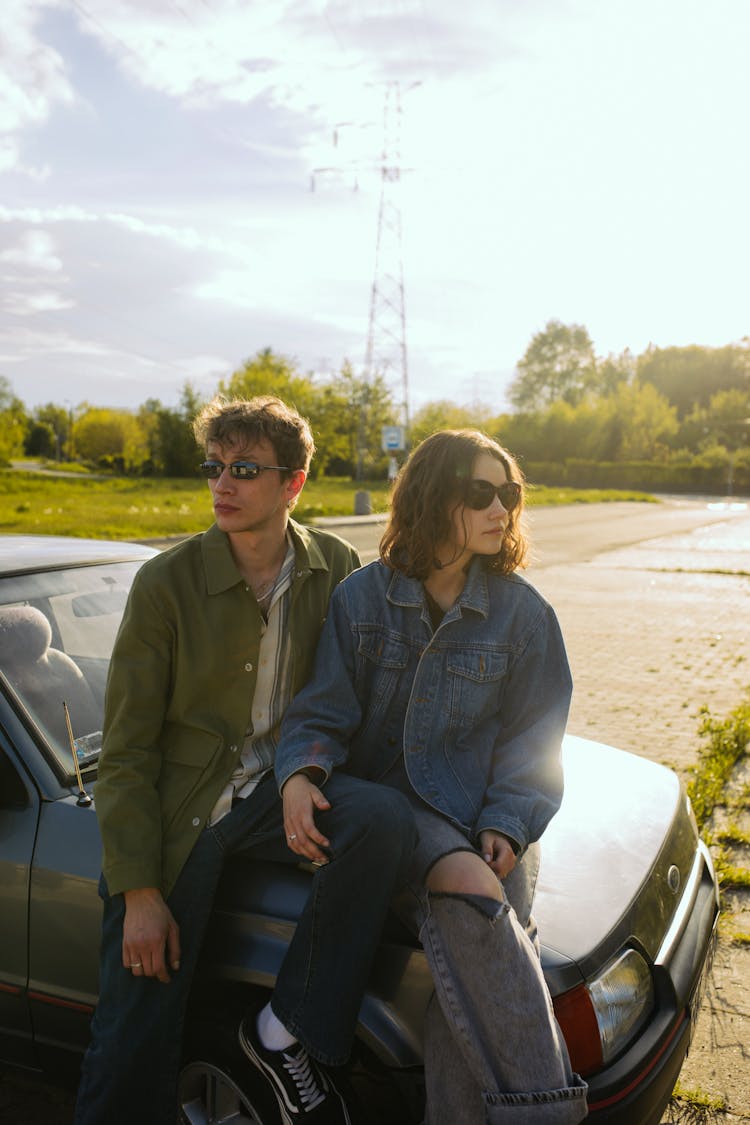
(273, 1035)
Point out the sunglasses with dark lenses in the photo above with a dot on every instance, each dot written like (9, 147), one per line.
(239, 470)
(481, 493)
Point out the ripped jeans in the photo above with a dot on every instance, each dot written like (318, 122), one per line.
(493, 1050)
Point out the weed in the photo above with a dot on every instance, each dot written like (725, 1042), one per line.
(694, 1107)
(733, 835)
(727, 741)
(730, 875)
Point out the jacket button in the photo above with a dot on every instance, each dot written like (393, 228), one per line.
(196, 821)
(248, 667)
(233, 749)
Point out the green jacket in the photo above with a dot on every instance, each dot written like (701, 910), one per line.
(180, 691)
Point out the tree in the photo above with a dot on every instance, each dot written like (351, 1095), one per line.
(14, 422)
(725, 422)
(613, 371)
(689, 377)
(57, 419)
(348, 415)
(103, 435)
(446, 415)
(634, 423)
(559, 365)
(173, 448)
(41, 440)
(270, 374)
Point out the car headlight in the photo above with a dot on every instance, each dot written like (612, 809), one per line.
(599, 1018)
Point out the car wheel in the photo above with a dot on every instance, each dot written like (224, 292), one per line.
(217, 1085)
(211, 1095)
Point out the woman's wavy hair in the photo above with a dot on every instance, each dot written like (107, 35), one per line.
(431, 484)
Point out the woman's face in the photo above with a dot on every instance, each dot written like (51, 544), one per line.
(478, 532)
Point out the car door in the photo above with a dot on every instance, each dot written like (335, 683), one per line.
(19, 816)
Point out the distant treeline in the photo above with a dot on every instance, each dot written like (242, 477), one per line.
(675, 419)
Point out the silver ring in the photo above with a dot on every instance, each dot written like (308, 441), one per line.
(293, 836)
(136, 964)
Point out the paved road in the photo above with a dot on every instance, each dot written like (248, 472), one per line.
(579, 533)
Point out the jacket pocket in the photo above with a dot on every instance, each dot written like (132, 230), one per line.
(188, 757)
(475, 685)
(188, 746)
(381, 660)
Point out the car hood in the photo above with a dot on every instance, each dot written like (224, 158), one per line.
(609, 858)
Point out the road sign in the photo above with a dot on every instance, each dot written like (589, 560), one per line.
(392, 438)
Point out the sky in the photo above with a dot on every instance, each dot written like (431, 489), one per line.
(186, 182)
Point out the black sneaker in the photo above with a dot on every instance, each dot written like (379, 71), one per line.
(304, 1092)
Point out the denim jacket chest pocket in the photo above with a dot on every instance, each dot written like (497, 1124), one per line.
(475, 685)
(381, 662)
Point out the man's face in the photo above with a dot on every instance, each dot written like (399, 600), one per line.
(251, 505)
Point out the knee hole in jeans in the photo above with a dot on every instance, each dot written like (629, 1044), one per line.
(463, 873)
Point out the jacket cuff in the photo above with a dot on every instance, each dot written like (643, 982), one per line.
(121, 877)
(298, 765)
(513, 830)
(318, 775)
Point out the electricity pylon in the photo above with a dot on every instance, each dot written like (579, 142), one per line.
(386, 352)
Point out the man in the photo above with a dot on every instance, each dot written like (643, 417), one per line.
(218, 634)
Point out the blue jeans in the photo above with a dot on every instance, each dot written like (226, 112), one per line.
(131, 1068)
(494, 1054)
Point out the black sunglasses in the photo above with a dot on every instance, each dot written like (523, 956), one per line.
(480, 494)
(239, 470)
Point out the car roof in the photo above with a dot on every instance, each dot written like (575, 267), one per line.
(21, 554)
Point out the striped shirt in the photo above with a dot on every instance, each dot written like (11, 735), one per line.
(273, 692)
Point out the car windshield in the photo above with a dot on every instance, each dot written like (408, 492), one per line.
(57, 629)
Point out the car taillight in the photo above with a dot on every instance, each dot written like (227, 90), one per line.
(600, 1018)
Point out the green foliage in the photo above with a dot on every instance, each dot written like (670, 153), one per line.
(726, 743)
(173, 449)
(692, 375)
(268, 373)
(445, 415)
(104, 436)
(56, 419)
(13, 423)
(41, 440)
(695, 1107)
(558, 365)
(673, 419)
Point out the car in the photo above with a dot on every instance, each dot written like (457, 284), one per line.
(626, 904)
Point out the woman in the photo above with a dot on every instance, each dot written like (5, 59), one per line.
(443, 673)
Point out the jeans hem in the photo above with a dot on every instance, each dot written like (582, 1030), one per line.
(565, 1106)
(297, 1030)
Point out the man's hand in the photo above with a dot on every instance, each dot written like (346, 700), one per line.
(301, 798)
(149, 933)
(497, 852)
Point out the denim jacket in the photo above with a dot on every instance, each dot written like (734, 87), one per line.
(478, 707)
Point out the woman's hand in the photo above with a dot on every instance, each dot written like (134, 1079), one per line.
(497, 852)
(301, 797)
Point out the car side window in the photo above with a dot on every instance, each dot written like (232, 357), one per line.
(57, 628)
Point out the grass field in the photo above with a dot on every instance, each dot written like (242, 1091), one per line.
(142, 508)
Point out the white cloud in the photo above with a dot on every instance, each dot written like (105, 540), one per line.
(35, 250)
(32, 80)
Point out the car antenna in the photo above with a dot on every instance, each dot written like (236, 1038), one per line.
(83, 796)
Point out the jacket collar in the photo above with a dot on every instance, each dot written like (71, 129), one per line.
(221, 570)
(475, 594)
